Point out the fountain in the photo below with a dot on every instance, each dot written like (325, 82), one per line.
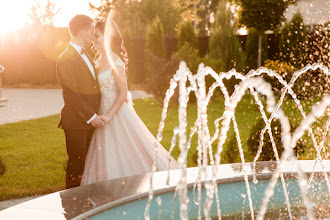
(285, 188)
(215, 191)
(255, 85)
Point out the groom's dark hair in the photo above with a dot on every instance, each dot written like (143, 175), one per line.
(78, 23)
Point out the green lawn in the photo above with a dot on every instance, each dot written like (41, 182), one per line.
(34, 153)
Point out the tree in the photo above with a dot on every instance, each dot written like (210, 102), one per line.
(188, 10)
(102, 11)
(188, 54)
(317, 51)
(318, 48)
(155, 38)
(252, 52)
(132, 13)
(187, 34)
(262, 15)
(293, 41)
(205, 9)
(198, 12)
(224, 44)
(267, 153)
(43, 15)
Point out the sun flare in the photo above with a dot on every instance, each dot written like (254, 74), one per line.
(13, 14)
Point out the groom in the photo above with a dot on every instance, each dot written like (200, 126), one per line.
(81, 94)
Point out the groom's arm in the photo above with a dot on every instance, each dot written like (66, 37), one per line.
(69, 84)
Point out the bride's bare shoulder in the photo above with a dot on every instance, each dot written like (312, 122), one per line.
(118, 61)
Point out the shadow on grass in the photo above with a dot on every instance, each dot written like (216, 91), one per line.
(2, 167)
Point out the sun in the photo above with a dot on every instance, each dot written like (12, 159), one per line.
(13, 14)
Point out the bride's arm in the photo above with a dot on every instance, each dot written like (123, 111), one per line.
(121, 84)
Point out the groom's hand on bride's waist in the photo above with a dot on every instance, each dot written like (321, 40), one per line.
(97, 122)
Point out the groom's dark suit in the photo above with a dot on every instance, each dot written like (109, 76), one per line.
(81, 94)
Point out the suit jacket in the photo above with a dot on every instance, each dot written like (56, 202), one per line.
(81, 92)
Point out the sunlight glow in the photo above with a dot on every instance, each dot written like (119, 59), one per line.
(14, 14)
(69, 8)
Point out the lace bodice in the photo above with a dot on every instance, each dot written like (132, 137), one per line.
(107, 81)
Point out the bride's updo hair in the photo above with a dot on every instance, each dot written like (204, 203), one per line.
(116, 41)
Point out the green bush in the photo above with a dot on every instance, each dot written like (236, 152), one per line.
(267, 153)
(318, 49)
(159, 71)
(314, 83)
(187, 35)
(231, 152)
(309, 85)
(188, 54)
(155, 38)
(284, 69)
(223, 43)
(191, 57)
(293, 41)
(251, 49)
(216, 64)
(226, 47)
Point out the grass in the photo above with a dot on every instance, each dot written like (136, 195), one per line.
(34, 155)
(34, 152)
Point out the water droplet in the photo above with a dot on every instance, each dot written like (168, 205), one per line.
(159, 201)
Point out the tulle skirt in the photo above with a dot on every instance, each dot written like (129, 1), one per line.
(123, 147)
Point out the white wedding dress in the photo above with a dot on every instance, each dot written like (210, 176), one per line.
(124, 146)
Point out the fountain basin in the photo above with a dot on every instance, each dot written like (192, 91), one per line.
(126, 198)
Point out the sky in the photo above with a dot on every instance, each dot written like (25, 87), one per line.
(14, 13)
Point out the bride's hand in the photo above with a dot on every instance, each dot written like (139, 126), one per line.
(106, 118)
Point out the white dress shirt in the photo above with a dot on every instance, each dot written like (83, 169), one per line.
(85, 58)
(90, 66)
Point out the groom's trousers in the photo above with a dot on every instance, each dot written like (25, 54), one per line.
(77, 143)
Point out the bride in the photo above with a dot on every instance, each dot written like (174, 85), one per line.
(123, 146)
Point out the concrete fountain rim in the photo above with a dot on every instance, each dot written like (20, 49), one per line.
(86, 201)
(263, 172)
(138, 186)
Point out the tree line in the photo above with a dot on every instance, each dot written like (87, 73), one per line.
(30, 54)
